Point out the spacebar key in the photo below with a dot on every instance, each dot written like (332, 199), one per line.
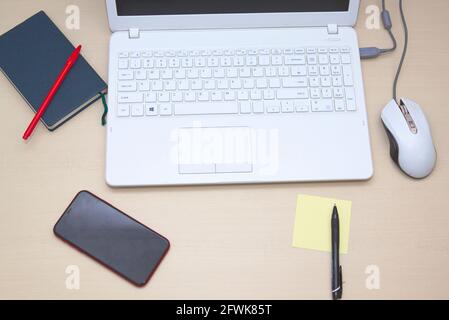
(206, 108)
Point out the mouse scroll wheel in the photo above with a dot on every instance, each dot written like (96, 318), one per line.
(408, 117)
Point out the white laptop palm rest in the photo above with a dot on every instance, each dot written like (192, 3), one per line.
(201, 93)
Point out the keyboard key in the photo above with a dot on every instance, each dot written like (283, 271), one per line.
(284, 71)
(292, 94)
(153, 74)
(165, 109)
(315, 93)
(347, 76)
(222, 84)
(180, 74)
(123, 110)
(334, 58)
(302, 105)
(314, 81)
(245, 107)
(124, 86)
(248, 83)
(160, 63)
(123, 63)
(336, 70)
(156, 85)
(312, 59)
(261, 83)
(339, 93)
(314, 71)
(264, 60)
(163, 96)
(229, 95)
(219, 73)
(326, 93)
(295, 60)
(323, 105)
(258, 107)
(206, 108)
(137, 110)
(325, 70)
(190, 96)
(345, 59)
(287, 106)
(182, 84)
(299, 71)
(216, 96)
(150, 97)
(337, 81)
(203, 96)
(134, 64)
(273, 107)
(130, 97)
(299, 82)
(147, 63)
(150, 109)
(236, 84)
(125, 75)
(256, 94)
(141, 74)
(245, 72)
(350, 99)
(209, 84)
(323, 59)
(275, 83)
(326, 81)
(340, 105)
(277, 60)
(269, 94)
(243, 95)
(167, 74)
(176, 96)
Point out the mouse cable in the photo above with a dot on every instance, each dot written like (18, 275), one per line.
(374, 52)
(404, 52)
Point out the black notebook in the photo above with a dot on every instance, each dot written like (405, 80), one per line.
(33, 54)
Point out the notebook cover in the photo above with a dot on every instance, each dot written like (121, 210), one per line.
(33, 54)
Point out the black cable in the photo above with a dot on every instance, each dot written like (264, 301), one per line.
(388, 25)
(374, 52)
(404, 52)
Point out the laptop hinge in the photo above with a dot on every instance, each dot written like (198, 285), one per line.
(332, 29)
(134, 33)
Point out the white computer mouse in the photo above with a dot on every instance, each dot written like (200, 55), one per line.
(411, 143)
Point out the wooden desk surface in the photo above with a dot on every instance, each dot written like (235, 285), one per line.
(229, 241)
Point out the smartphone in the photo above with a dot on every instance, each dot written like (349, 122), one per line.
(111, 237)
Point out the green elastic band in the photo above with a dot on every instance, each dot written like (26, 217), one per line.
(105, 106)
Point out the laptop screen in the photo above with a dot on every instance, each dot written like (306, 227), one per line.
(176, 7)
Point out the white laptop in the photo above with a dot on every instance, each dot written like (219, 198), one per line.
(227, 92)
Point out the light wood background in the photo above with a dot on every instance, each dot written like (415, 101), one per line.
(229, 241)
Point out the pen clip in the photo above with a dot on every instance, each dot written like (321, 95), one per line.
(340, 284)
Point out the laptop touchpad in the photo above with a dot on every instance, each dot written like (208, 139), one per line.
(215, 150)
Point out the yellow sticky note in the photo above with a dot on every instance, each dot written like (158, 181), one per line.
(313, 223)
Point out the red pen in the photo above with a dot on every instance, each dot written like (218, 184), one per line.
(69, 64)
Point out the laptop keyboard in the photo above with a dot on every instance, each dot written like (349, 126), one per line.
(229, 81)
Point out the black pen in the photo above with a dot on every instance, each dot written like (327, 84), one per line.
(337, 280)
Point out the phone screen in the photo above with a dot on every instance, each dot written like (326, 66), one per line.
(111, 237)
